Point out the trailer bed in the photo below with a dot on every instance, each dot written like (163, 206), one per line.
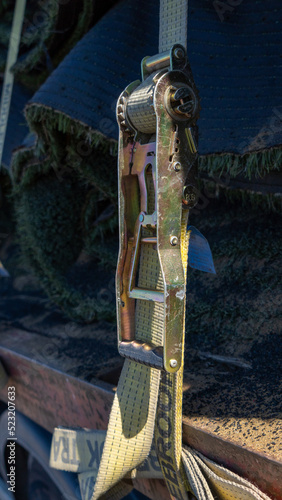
(66, 374)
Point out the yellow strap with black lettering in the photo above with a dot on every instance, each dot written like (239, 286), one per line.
(168, 432)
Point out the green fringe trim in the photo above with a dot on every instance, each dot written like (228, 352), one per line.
(256, 163)
(50, 251)
(46, 122)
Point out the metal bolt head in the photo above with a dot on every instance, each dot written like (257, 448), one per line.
(173, 363)
(141, 217)
(179, 53)
(177, 166)
(182, 101)
(190, 196)
(173, 240)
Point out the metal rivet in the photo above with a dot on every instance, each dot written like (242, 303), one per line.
(178, 53)
(141, 217)
(190, 196)
(173, 363)
(173, 240)
(177, 166)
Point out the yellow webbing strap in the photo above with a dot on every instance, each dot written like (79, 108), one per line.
(206, 476)
(79, 450)
(131, 425)
(7, 89)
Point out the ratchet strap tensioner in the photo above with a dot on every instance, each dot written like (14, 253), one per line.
(157, 170)
(157, 167)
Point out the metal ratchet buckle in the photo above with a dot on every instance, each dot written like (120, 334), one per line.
(156, 120)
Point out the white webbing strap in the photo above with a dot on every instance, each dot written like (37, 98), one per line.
(7, 89)
(173, 23)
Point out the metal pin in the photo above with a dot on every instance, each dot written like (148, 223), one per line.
(173, 363)
(178, 53)
(177, 166)
(173, 240)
